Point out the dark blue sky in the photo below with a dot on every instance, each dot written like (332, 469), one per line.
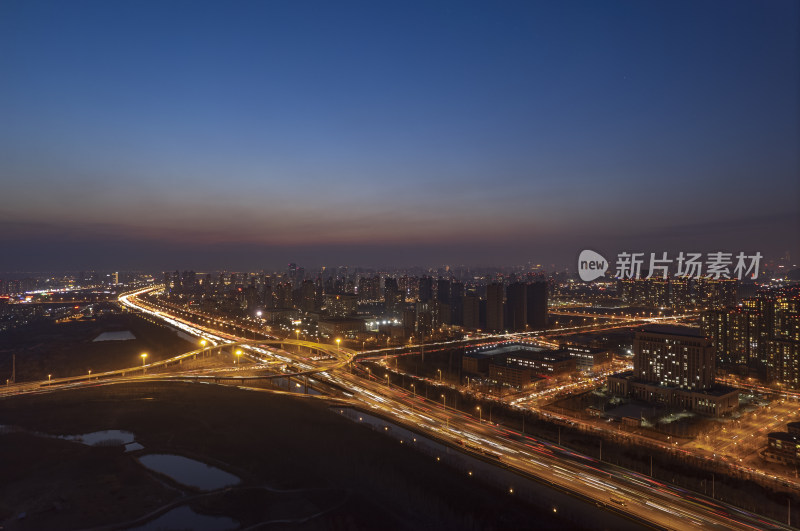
(250, 134)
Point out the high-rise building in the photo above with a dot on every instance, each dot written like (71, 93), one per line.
(759, 337)
(716, 293)
(634, 291)
(283, 295)
(784, 361)
(392, 297)
(680, 295)
(308, 296)
(494, 307)
(443, 301)
(369, 288)
(456, 303)
(443, 290)
(14, 287)
(517, 307)
(409, 321)
(536, 297)
(428, 317)
(658, 293)
(409, 286)
(425, 289)
(251, 300)
(471, 306)
(677, 293)
(784, 356)
(786, 315)
(340, 304)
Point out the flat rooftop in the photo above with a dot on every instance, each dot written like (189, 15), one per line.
(549, 355)
(478, 355)
(505, 349)
(581, 349)
(718, 390)
(675, 330)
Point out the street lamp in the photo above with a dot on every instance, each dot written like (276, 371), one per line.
(338, 343)
(480, 414)
(440, 374)
(238, 356)
(49, 377)
(297, 333)
(413, 391)
(144, 357)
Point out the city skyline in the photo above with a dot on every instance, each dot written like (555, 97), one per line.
(162, 137)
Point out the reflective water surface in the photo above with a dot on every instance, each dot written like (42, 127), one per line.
(185, 518)
(189, 472)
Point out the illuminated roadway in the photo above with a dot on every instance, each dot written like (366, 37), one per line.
(650, 501)
(625, 492)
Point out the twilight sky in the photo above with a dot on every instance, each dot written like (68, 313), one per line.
(244, 135)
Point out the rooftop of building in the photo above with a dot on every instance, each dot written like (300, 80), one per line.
(673, 330)
(715, 390)
(496, 350)
(549, 355)
(478, 355)
(504, 363)
(581, 348)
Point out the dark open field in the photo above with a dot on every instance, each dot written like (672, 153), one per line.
(358, 478)
(67, 349)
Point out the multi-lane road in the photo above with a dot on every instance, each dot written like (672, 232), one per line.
(640, 497)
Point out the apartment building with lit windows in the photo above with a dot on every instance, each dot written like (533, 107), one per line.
(675, 366)
(759, 337)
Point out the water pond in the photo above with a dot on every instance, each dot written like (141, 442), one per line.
(189, 472)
